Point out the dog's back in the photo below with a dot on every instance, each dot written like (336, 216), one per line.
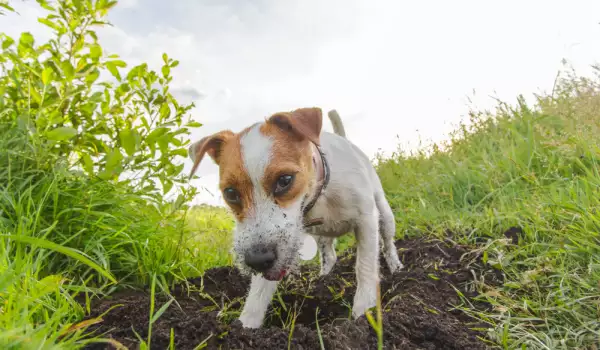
(336, 141)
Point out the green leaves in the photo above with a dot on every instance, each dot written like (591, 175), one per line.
(4, 6)
(57, 26)
(96, 113)
(47, 75)
(112, 68)
(67, 69)
(88, 164)
(26, 40)
(95, 51)
(62, 133)
(6, 42)
(129, 140)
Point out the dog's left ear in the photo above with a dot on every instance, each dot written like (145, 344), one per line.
(303, 122)
(210, 144)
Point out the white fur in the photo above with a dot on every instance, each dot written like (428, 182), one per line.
(328, 257)
(353, 201)
(257, 302)
(267, 224)
(257, 149)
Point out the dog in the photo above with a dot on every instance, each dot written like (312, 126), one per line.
(285, 177)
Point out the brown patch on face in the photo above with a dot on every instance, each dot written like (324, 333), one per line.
(292, 134)
(232, 174)
(290, 156)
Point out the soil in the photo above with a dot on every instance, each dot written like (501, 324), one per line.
(419, 307)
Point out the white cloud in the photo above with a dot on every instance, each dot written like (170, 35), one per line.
(389, 67)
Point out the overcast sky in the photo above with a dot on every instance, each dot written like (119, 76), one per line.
(396, 70)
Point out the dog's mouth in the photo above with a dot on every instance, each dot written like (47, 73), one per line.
(276, 275)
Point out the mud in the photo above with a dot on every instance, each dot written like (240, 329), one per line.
(418, 307)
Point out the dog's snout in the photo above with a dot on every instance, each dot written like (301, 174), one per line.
(260, 258)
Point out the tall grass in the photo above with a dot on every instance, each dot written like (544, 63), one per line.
(63, 234)
(531, 167)
(73, 223)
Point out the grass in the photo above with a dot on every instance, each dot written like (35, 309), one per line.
(531, 167)
(65, 237)
(63, 234)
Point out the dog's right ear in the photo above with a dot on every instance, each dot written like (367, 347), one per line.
(211, 144)
(306, 123)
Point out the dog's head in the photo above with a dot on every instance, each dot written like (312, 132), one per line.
(266, 174)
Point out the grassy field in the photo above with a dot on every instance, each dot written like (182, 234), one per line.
(68, 233)
(533, 167)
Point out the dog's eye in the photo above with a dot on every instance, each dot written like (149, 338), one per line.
(283, 184)
(231, 195)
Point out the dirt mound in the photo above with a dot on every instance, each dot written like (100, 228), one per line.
(417, 303)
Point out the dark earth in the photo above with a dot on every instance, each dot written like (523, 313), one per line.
(420, 307)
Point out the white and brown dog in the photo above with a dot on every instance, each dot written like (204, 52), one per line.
(283, 178)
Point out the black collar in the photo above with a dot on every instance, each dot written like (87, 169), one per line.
(323, 180)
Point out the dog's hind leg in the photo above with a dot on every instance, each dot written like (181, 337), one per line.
(257, 302)
(327, 253)
(367, 263)
(387, 229)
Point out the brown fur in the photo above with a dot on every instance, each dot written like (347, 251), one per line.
(304, 123)
(292, 157)
(292, 133)
(210, 144)
(232, 173)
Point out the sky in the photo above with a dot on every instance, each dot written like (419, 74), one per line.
(396, 71)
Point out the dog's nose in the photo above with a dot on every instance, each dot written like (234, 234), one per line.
(260, 259)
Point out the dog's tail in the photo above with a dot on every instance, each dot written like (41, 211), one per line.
(336, 121)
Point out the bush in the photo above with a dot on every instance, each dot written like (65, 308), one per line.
(88, 153)
(127, 125)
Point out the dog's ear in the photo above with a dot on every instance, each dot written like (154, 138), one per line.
(303, 122)
(211, 144)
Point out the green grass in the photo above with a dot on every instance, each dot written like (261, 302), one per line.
(535, 167)
(64, 234)
(210, 229)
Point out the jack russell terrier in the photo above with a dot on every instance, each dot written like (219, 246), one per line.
(284, 178)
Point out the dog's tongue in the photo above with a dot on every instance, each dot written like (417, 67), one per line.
(275, 276)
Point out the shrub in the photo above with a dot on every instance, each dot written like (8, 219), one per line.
(88, 152)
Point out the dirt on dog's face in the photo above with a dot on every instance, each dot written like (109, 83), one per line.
(266, 173)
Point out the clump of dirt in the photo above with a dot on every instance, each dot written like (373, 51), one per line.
(417, 305)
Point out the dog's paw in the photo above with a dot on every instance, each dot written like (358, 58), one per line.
(250, 321)
(326, 268)
(363, 301)
(395, 265)
(393, 261)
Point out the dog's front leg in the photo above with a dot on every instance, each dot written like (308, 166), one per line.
(367, 264)
(257, 301)
(327, 252)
